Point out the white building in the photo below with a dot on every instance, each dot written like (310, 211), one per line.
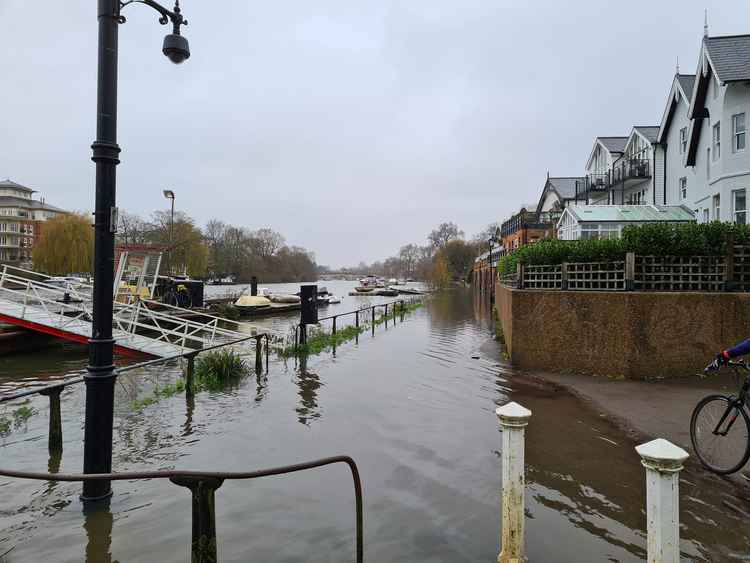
(716, 160)
(557, 194)
(596, 184)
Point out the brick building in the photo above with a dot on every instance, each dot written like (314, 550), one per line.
(523, 228)
(22, 219)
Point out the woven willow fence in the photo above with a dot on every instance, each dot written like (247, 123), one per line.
(641, 273)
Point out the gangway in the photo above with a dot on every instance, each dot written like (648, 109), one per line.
(139, 326)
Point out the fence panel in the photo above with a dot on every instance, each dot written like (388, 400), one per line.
(542, 277)
(741, 267)
(593, 276)
(679, 273)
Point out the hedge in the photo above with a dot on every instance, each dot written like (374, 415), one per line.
(655, 239)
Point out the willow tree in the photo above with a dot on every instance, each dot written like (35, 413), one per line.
(66, 245)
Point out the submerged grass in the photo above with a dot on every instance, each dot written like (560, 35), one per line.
(320, 340)
(18, 418)
(213, 371)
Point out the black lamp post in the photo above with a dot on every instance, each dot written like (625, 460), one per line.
(100, 379)
(169, 194)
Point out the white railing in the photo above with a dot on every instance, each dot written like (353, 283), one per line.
(158, 322)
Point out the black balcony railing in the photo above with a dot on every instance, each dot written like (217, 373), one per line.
(598, 182)
(632, 169)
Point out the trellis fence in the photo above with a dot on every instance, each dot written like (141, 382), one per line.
(641, 273)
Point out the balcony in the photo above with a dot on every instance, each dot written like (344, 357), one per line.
(632, 170)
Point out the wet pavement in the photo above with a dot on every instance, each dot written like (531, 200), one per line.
(413, 405)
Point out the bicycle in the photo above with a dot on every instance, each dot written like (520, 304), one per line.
(720, 427)
(178, 296)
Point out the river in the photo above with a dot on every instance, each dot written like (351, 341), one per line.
(413, 405)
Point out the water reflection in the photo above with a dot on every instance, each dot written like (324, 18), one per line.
(98, 526)
(308, 384)
(187, 426)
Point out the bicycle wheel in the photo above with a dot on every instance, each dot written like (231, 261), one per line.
(720, 432)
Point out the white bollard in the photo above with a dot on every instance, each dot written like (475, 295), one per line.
(513, 419)
(663, 462)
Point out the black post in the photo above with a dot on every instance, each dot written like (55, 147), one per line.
(55, 438)
(334, 326)
(356, 318)
(189, 375)
(254, 285)
(100, 379)
(203, 549)
(386, 315)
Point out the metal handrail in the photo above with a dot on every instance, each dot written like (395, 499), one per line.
(202, 485)
(123, 369)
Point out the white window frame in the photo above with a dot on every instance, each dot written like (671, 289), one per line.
(735, 211)
(738, 133)
(683, 187)
(716, 140)
(683, 140)
(716, 206)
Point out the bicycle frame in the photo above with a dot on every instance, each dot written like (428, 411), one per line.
(736, 403)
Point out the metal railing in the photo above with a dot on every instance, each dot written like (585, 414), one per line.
(360, 317)
(203, 485)
(65, 307)
(630, 169)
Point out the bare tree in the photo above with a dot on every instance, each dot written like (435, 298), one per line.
(445, 232)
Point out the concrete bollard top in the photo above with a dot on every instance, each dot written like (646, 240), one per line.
(662, 455)
(513, 414)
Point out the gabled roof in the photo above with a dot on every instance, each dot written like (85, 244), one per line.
(650, 132)
(630, 213)
(9, 200)
(681, 91)
(563, 186)
(686, 81)
(730, 56)
(727, 58)
(613, 144)
(10, 184)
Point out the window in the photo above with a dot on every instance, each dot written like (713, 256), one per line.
(717, 207)
(683, 187)
(706, 218)
(738, 132)
(739, 207)
(683, 140)
(717, 140)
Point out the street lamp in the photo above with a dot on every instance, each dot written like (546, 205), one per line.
(169, 194)
(100, 376)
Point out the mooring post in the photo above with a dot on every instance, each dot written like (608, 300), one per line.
(663, 462)
(334, 326)
(373, 320)
(55, 438)
(189, 372)
(513, 419)
(204, 516)
(258, 353)
(385, 315)
(356, 318)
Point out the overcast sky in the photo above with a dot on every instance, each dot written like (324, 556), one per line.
(350, 127)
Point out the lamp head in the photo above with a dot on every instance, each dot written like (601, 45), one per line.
(169, 194)
(176, 48)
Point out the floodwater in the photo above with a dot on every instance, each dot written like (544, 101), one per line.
(413, 405)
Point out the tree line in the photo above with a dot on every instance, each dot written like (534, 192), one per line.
(219, 250)
(446, 258)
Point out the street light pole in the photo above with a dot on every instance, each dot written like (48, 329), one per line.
(100, 376)
(169, 194)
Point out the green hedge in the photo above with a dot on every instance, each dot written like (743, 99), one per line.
(656, 239)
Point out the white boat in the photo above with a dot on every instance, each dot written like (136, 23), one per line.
(332, 299)
(249, 303)
(392, 281)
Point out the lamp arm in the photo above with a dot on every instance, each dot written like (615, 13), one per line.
(166, 15)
